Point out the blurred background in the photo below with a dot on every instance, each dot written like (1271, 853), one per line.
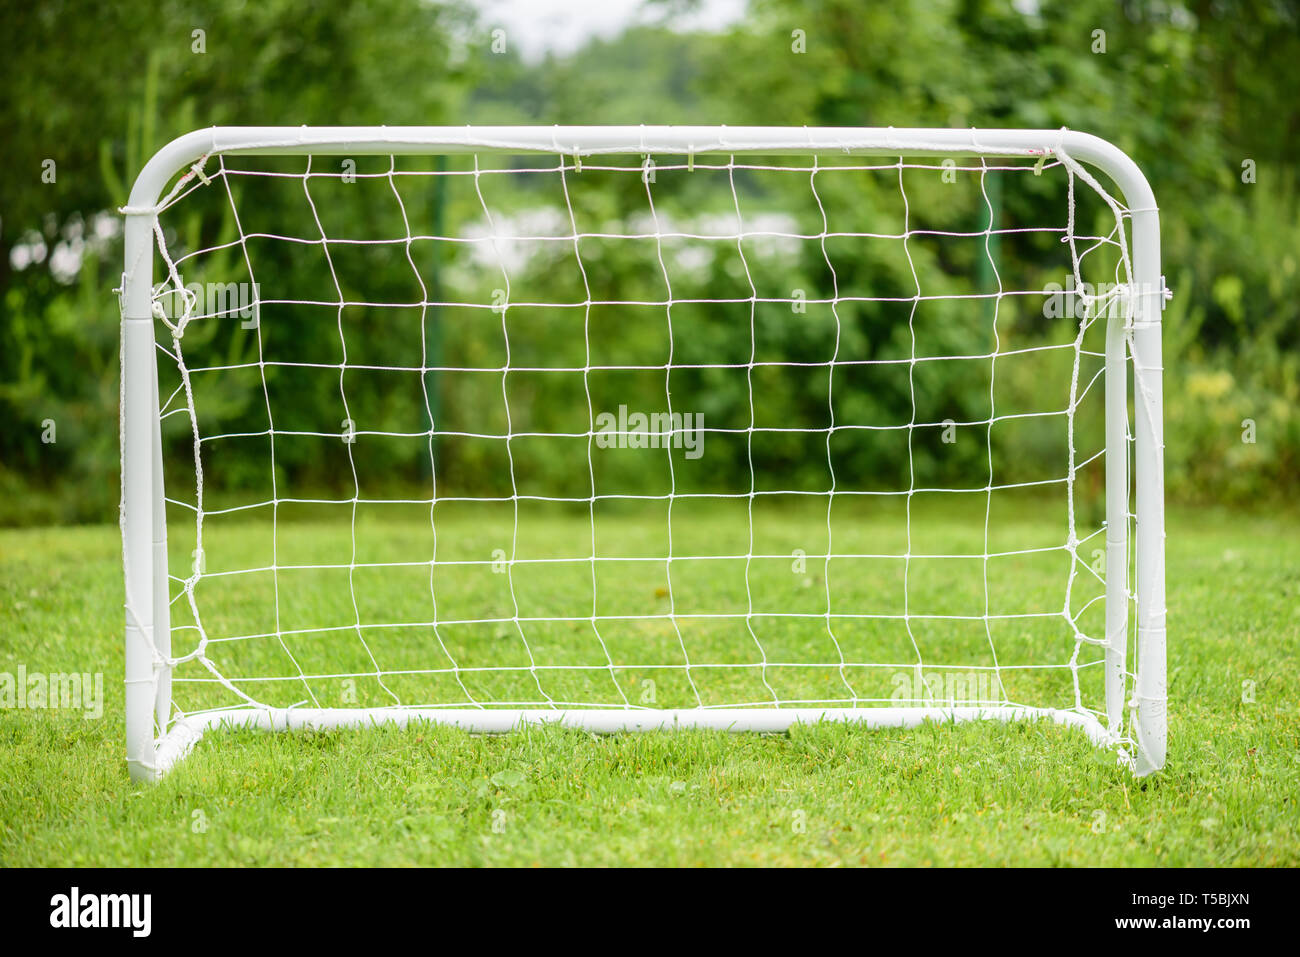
(1203, 94)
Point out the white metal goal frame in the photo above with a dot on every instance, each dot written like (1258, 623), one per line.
(1133, 344)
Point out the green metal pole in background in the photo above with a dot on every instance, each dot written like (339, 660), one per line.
(432, 320)
(985, 277)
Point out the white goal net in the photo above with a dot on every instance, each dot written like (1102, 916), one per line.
(698, 428)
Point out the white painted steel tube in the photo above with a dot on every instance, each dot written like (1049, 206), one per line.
(1151, 691)
(186, 733)
(140, 422)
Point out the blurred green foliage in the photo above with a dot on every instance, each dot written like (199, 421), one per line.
(1196, 92)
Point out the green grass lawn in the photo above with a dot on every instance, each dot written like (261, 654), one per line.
(975, 794)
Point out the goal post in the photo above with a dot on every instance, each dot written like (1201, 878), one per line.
(633, 251)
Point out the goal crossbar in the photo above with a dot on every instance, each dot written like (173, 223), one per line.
(1132, 344)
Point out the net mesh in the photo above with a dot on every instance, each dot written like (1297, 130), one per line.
(559, 432)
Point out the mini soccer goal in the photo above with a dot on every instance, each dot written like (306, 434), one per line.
(641, 428)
